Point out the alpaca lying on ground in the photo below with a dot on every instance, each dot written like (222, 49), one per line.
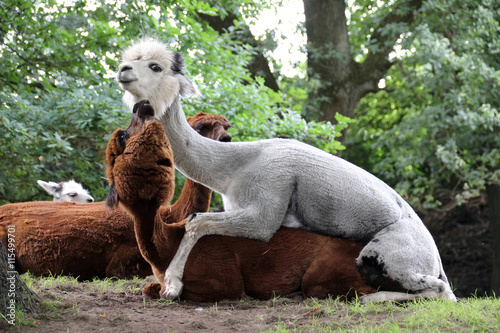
(141, 176)
(271, 183)
(86, 240)
(66, 238)
(66, 191)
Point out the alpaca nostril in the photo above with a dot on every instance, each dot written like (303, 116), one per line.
(136, 107)
(125, 68)
(145, 110)
(90, 200)
(165, 162)
(226, 138)
(126, 74)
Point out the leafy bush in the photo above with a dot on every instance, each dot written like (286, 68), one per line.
(61, 103)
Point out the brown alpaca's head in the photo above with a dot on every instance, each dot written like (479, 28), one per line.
(140, 162)
(211, 126)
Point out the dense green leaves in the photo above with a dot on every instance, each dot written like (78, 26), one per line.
(435, 133)
(59, 101)
(432, 133)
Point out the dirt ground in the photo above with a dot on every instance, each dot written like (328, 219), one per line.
(78, 307)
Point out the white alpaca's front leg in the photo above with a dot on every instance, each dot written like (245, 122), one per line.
(175, 271)
(239, 223)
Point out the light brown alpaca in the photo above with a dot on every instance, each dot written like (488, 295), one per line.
(141, 175)
(86, 240)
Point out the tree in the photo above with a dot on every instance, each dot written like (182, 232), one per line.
(433, 133)
(225, 21)
(339, 80)
(55, 106)
(15, 294)
(60, 102)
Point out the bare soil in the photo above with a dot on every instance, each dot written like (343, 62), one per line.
(79, 307)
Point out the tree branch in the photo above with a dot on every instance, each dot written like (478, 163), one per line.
(377, 63)
(259, 65)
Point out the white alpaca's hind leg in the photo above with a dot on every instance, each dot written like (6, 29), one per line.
(384, 296)
(404, 258)
(395, 296)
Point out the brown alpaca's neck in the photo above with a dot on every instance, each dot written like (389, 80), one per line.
(194, 198)
(157, 241)
(157, 229)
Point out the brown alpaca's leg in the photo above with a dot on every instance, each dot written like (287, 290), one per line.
(126, 262)
(151, 290)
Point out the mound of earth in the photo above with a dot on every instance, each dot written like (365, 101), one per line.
(464, 240)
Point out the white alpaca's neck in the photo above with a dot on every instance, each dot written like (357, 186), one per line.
(203, 160)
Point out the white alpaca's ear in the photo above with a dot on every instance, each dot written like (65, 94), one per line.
(187, 88)
(52, 188)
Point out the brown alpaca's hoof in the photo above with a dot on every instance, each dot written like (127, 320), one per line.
(151, 290)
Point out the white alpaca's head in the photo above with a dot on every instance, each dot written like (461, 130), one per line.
(150, 71)
(66, 191)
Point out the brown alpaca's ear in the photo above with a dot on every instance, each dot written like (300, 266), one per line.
(112, 199)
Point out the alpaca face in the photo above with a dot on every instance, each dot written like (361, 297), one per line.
(149, 71)
(140, 161)
(67, 191)
(211, 126)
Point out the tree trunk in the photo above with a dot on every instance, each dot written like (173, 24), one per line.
(341, 82)
(14, 294)
(493, 193)
(329, 57)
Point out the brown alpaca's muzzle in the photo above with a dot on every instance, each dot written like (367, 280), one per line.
(211, 126)
(140, 161)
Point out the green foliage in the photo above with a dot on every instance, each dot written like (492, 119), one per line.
(58, 136)
(60, 103)
(56, 111)
(434, 132)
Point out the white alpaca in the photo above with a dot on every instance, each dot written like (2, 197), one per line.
(271, 183)
(66, 191)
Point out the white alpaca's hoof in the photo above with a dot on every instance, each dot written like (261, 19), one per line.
(173, 288)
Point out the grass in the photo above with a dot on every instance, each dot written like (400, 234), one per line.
(474, 314)
(72, 283)
(52, 307)
(467, 315)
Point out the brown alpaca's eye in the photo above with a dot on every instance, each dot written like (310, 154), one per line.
(156, 68)
(200, 128)
(122, 139)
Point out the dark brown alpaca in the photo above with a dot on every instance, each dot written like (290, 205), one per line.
(86, 240)
(141, 174)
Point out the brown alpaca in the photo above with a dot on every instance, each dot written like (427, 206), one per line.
(141, 175)
(86, 240)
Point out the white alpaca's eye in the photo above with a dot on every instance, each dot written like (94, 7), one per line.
(72, 194)
(156, 68)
